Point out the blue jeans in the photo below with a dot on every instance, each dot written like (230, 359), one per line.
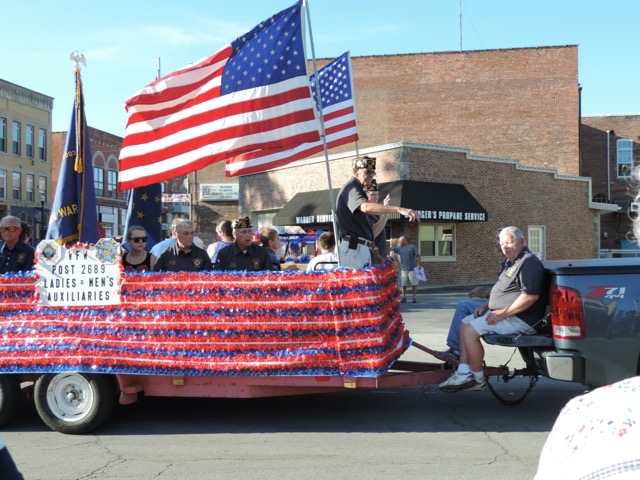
(464, 309)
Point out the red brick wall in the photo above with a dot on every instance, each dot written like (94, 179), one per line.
(593, 151)
(520, 104)
(512, 196)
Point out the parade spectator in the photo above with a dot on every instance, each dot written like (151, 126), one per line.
(295, 255)
(270, 239)
(225, 238)
(184, 256)
(137, 258)
(25, 235)
(516, 303)
(15, 255)
(243, 254)
(378, 222)
(356, 236)
(477, 297)
(328, 258)
(8, 469)
(409, 259)
(596, 436)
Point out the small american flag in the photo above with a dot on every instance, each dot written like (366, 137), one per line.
(338, 109)
(251, 95)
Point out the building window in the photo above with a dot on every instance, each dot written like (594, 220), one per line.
(16, 185)
(30, 139)
(3, 134)
(29, 179)
(98, 181)
(16, 138)
(437, 240)
(112, 184)
(42, 188)
(42, 144)
(536, 241)
(624, 154)
(3, 184)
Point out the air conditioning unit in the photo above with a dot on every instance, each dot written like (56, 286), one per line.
(635, 207)
(623, 205)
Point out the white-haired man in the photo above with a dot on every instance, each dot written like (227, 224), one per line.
(15, 255)
(516, 303)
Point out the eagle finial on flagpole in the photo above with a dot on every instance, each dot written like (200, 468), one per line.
(78, 58)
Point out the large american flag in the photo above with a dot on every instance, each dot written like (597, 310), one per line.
(251, 95)
(338, 110)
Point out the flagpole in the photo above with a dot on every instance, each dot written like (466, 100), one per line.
(332, 200)
(354, 100)
(80, 140)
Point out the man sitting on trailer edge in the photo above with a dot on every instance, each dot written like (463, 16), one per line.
(352, 210)
(516, 304)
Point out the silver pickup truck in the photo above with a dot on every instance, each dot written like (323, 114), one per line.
(593, 326)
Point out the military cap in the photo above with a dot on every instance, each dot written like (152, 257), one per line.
(241, 223)
(365, 162)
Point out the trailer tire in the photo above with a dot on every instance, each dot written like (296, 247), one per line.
(10, 398)
(74, 403)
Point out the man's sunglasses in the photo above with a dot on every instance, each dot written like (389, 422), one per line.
(9, 229)
(139, 239)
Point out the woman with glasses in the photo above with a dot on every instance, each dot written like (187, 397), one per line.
(137, 258)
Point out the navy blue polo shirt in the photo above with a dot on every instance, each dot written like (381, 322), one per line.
(351, 219)
(524, 275)
(18, 259)
(252, 259)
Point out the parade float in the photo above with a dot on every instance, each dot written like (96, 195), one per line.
(80, 335)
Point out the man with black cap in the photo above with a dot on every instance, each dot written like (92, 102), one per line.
(356, 235)
(243, 254)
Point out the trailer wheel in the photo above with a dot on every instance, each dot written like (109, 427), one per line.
(74, 402)
(10, 397)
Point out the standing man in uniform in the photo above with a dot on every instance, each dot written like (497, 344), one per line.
(356, 236)
(184, 256)
(243, 254)
(15, 255)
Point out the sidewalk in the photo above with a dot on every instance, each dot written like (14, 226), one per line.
(426, 288)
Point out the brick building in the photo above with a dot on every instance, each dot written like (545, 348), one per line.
(503, 124)
(609, 169)
(25, 155)
(554, 211)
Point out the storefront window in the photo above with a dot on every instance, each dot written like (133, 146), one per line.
(437, 240)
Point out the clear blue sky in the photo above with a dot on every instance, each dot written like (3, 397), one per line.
(123, 40)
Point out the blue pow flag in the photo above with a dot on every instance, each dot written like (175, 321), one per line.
(145, 210)
(74, 216)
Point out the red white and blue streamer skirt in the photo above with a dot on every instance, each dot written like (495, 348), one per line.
(340, 322)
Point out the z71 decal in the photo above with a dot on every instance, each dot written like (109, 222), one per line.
(606, 292)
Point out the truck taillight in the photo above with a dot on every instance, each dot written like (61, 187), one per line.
(567, 316)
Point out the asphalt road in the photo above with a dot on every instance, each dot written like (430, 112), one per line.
(415, 432)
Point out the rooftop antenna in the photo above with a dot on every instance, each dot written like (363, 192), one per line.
(461, 25)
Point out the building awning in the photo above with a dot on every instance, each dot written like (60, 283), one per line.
(432, 201)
